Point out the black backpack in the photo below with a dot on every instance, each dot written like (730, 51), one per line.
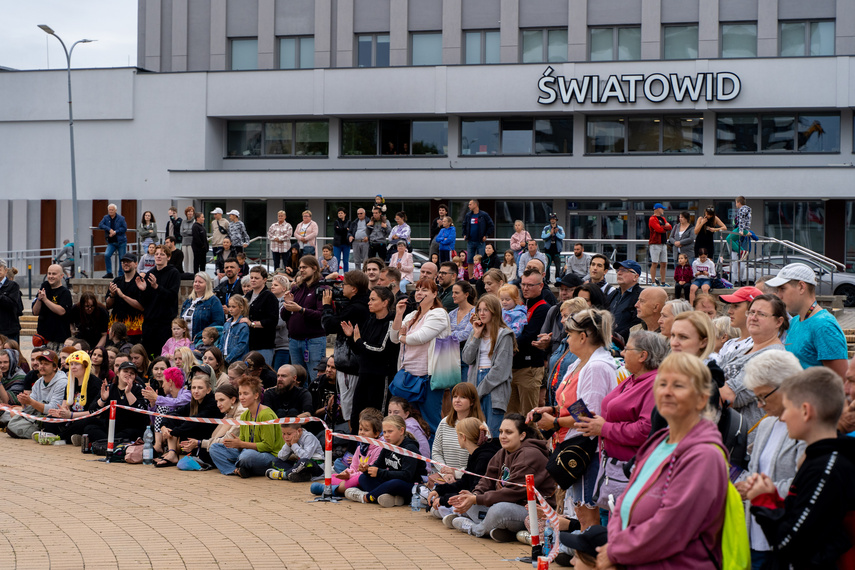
(734, 434)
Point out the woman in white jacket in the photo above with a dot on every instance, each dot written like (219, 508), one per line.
(421, 362)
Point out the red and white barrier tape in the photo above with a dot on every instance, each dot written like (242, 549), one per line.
(49, 419)
(227, 421)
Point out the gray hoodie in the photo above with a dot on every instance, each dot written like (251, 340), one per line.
(497, 382)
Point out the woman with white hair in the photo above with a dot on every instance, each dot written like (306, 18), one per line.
(775, 453)
(670, 310)
(202, 309)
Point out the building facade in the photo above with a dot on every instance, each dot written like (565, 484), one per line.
(594, 109)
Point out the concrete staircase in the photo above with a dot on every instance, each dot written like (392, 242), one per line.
(850, 341)
(28, 322)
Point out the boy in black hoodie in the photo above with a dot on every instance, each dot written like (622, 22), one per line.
(806, 529)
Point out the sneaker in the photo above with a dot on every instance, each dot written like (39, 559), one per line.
(463, 524)
(275, 474)
(387, 500)
(657, 283)
(244, 472)
(299, 476)
(77, 440)
(448, 520)
(356, 495)
(108, 276)
(524, 537)
(501, 535)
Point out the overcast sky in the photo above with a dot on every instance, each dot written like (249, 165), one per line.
(112, 22)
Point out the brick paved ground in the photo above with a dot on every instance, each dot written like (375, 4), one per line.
(62, 510)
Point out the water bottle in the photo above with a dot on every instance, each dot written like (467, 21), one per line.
(416, 501)
(148, 446)
(548, 539)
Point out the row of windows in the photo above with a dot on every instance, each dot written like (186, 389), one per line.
(527, 136)
(623, 43)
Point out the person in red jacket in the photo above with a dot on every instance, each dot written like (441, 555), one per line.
(657, 243)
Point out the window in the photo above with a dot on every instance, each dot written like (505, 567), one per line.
(297, 53)
(779, 132)
(481, 47)
(680, 42)
(806, 38)
(401, 137)
(372, 50)
(517, 136)
(739, 40)
(427, 48)
(244, 54)
(615, 44)
(653, 135)
(801, 222)
(277, 139)
(544, 45)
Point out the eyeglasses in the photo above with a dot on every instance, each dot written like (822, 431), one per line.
(758, 314)
(761, 400)
(530, 285)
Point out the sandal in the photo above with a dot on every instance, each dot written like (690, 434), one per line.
(162, 461)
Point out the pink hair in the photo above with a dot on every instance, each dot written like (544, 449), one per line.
(175, 375)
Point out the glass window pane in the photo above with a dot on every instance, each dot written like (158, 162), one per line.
(602, 44)
(277, 138)
(605, 135)
(395, 137)
(244, 54)
(359, 138)
(288, 53)
(643, 134)
(382, 59)
(473, 47)
(736, 133)
(430, 137)
(792, 39)
(244, 139)
(629, 44)
(516, 136)
(777, 132)
(364, 45)
(313, 138)
(819, 133)
(556, 46)
(427, 49)
(532, 46)
(681, 42)
(307, 53)
(683, 135)
(739, 40)
(479, 137)
(553, 136)
(822, 38)
(491, 47)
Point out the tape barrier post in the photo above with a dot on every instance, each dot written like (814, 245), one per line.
(328, 496)
(536, 548)
(111, 431)
(542, 563)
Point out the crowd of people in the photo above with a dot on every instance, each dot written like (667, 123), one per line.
(634, 412)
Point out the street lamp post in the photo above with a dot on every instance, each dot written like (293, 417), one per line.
(77, 247)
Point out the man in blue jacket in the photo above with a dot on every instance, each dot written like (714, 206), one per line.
(477, 225)
(115, 230)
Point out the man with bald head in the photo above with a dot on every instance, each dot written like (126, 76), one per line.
(287, 398)
(536, 264)
(649, 308)
(428, 270)
(51, 306)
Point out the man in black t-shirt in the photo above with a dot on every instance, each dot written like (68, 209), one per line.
(123, 297)
(51, 307)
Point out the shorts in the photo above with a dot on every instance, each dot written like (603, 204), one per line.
(701, 281)
(658, 253)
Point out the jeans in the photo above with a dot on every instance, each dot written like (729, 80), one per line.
(342, 253)
(227, 459)
(281, 356)
(509, 516)
(473, 248)
(278, 260)
(431, 410)
(376, 487)
(582, 490)
(112, 248)
(267, 353)
(758, 558)
(553, 259)
(317, 349)
(492, 416)
(525, 389)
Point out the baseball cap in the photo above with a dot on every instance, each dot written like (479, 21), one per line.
(129, 257)
(203, 368)
(48, 355)
(217, 211)
(630, 265)
(587, 541)
(570, 280)
(322, 365)
(234, 213)
(128, 364)
(741, 295)
(793, 272)
(553, 216)
(658, 205)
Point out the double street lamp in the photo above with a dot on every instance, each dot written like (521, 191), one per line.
(47, 29)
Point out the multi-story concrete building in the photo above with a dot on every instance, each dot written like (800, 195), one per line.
(594, 109)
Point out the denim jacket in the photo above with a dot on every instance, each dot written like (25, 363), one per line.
(208, 313)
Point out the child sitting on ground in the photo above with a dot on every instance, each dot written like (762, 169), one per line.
(513, 311)
(370, 425)
(806, 529)
(180, 337)
(300, 459)
(208, 340)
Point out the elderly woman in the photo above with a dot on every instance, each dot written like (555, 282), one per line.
(670, 310)
(306, 233)
(201, 405)
(774, 452)
(624, 423)
(672, 512)
(81, 392)
(203, 308)
(767, 319)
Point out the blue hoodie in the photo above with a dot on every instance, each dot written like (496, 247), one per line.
(445, 238)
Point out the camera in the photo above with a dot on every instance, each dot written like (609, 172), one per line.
(337, 288)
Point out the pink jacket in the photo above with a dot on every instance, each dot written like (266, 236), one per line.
(519, 239)
(310, 234)
(627, 410)
(679, 507)
(353, 480)
(406, 265)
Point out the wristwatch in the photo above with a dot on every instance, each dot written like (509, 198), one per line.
(555, 424)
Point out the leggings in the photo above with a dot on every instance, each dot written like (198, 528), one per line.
(376, 487)
(510, 516)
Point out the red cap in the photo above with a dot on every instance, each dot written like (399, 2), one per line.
(741, 295)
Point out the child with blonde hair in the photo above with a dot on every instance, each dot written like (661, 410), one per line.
(180, 337)
(513, 311)
(370, 425)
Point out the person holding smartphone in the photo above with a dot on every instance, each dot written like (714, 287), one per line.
(705, 229)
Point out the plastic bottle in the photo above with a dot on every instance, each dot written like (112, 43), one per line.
(148, 446)
(548, 539)
(416, 501)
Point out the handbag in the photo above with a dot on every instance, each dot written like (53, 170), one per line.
(134, 452)
(343, 356)
(611, 480)
(222, 231)
(411, 388)
(446, 370)
(571, 459)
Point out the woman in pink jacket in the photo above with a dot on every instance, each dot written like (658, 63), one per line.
(306, 233)
(672, 512)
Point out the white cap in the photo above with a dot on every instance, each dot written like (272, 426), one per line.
(234, 212)
(793, 272)
(217, 211)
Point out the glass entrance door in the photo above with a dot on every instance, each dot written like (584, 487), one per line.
(605, 227)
